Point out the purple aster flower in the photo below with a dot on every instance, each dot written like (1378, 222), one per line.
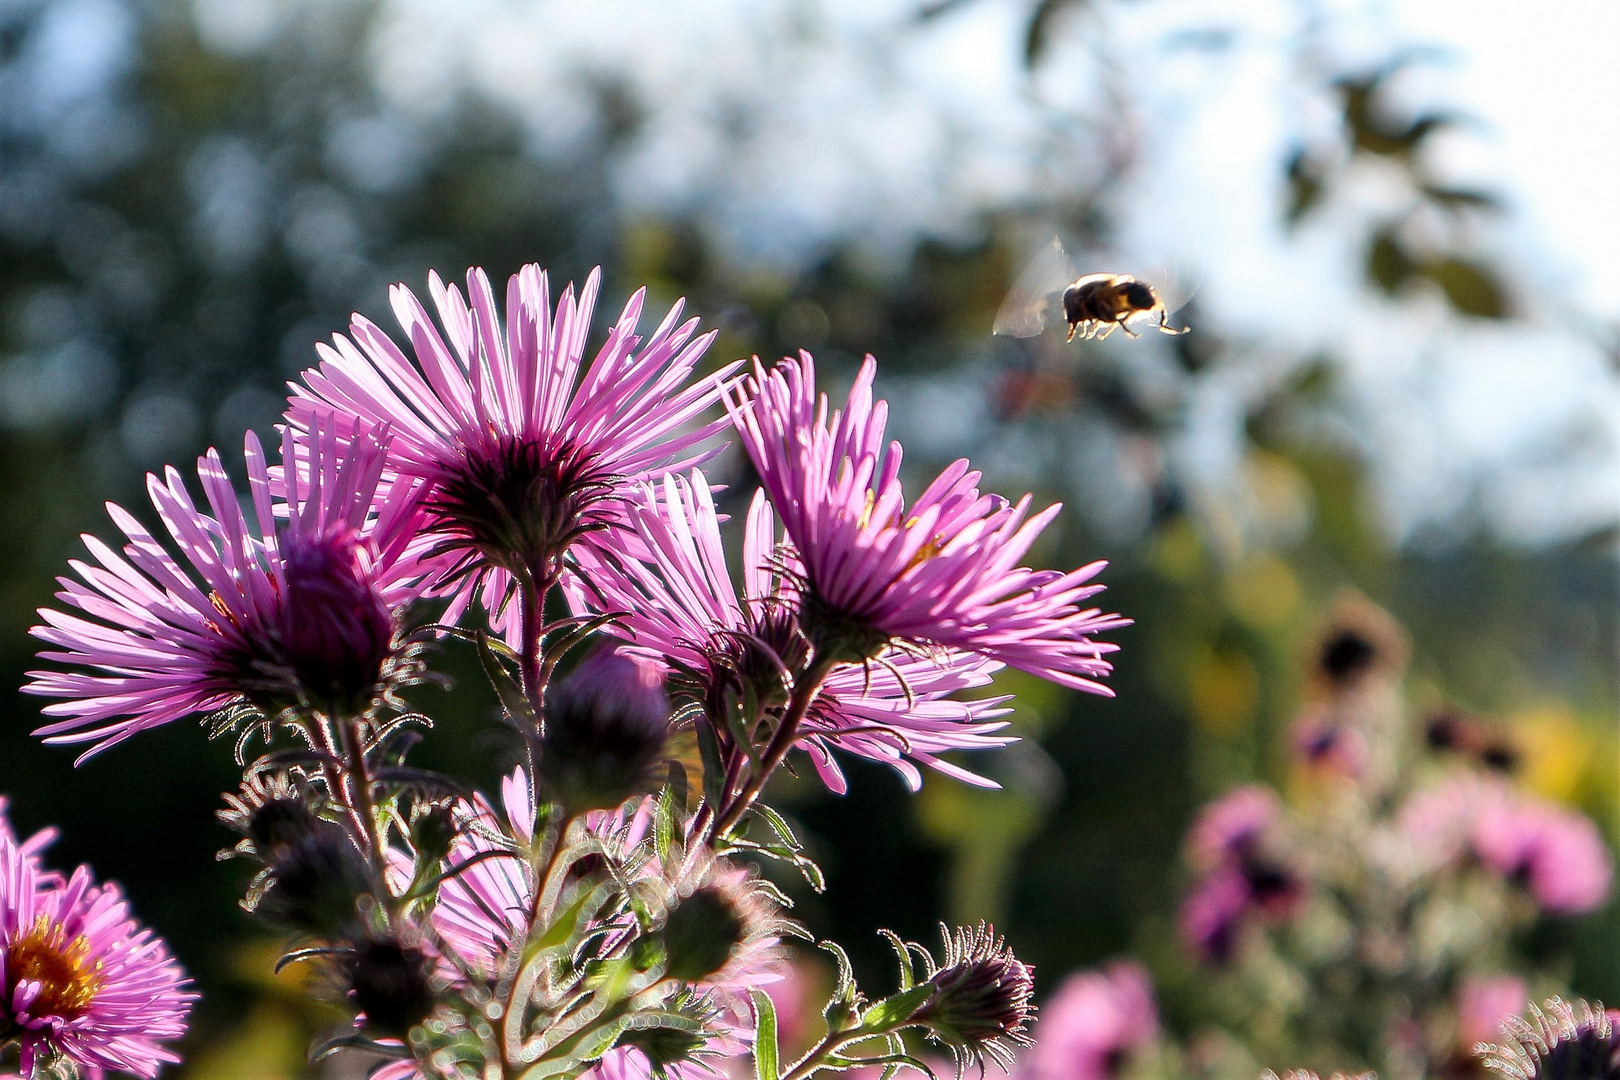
(1562, 1041)
(681, 608)
(483, 911)
(1093, 1024)
(298, 612)
(1558, 855)
(943, 572)
(78, 977)
(1213, 914)
(521, 455)
(1231, 827)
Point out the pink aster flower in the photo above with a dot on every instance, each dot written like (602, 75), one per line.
(78, 976)
(681, 608)
(521, 455)
(1093, 1024)
(482, 911)
(297, 611)
(942, 572)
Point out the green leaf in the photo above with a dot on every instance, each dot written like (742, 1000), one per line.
(714, 770)
(844, 983)
(664, 818)
(908, 978)
(679, 786)
(779, 823)
(513, 699)
(893, 1011)
(766, 1063)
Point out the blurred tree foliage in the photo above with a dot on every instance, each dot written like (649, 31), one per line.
(179, 225)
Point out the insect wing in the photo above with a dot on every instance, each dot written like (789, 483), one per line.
(1031, 303)
(1176, 281)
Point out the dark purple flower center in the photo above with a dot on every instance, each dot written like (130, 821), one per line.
(1586, 1055)
(1347, 654)
(519, 505)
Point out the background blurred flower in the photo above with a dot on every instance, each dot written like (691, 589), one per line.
(1483, 1002)
(1092, 1025)
(1558, 854)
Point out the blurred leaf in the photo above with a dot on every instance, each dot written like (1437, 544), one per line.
(1040, 27)
(1306, 180)
(1224, 689)
(1388, 266)
(1472, 288)
(1461, 198)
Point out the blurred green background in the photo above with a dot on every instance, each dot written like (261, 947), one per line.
(1396, 381)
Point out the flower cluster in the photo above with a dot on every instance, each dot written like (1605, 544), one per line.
(1377, 907)
(607, 914)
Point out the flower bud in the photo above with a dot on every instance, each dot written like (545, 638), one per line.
(312, 882)
(388, 982)
(335, 627)
(267, 812)
(701, 934)
(667, 1044)
(980, 1001)
(433, 830)
(1562, 1040)
(605, 727)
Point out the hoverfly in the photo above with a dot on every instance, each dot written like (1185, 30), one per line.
(1049, 291)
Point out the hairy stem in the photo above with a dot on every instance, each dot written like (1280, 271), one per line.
(338, 783)
(805, 690)
(818, 1053)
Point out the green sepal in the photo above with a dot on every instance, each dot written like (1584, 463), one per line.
(892, 1012)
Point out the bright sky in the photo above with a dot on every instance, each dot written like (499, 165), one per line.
(786, 122)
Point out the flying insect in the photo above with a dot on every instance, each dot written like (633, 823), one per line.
(1092, 305)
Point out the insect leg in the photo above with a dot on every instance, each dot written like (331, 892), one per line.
(1072, 328)
(1104, 329)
